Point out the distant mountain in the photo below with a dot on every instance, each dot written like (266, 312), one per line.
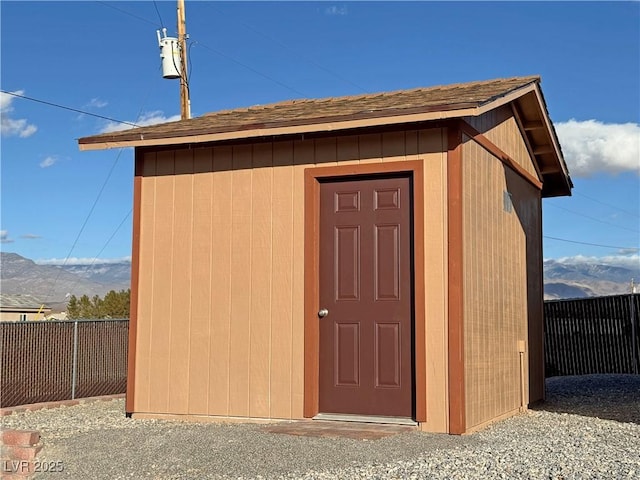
(565, 278)
(104, 273)
(577, 279)
(51, 283)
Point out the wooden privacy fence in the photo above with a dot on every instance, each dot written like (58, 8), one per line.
(47, 361)
(592, 335)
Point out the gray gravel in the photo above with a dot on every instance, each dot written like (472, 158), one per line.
(588, 428)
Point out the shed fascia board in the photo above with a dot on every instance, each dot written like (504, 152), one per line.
(551, 131)
(286, 130)
(445, 112)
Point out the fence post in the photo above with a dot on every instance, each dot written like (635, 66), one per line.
(74, 367)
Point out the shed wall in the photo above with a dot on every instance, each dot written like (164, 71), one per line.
(221, 279)
(501, 127)
(16, 316)
(502, 281)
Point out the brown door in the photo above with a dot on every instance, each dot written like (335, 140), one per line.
(366, 288)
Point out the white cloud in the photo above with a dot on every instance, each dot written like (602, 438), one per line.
(335, 10)
(82, 261)
(48, 161)
(146, 119)
(5, 100)
(97, 103)
(4, 237)
(20, 128)
(627, 261)
(30, 236)
(13, 126)
(591, 147)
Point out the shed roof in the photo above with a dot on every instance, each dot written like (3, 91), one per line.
(22, 303)
(362, 111)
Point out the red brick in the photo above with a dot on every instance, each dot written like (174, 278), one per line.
(18, 452)
(20, 437)
(10, 410)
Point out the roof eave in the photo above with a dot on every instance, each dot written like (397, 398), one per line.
(248, 133)
(554, 175)
(555, 178)
(329, 124)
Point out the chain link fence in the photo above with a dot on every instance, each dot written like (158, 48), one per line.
(45, 361)
(592, 335)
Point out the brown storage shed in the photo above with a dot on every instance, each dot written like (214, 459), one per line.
(369, 257)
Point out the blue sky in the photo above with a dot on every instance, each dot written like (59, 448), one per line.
(103, 58)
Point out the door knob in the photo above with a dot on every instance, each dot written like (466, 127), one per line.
(323, 313)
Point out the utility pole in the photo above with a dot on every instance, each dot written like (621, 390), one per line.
(185, 102)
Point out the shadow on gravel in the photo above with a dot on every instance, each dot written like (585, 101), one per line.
(610, 397)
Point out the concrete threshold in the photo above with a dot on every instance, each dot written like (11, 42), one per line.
(379, 419)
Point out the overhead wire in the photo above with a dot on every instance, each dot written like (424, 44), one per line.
(95, 257)
(257, 72)
(130, 14)
(298, 55)
(84, 224)
(590, 244)
(224, 55)
(57, 105)
(606, 204)
(158, 12)
(288, 87)
(95, 202)
(593, 218)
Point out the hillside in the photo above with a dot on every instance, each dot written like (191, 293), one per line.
(576, 279)
(51, 284)
(562, 279)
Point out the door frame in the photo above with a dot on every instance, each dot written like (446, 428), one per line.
(312, 178)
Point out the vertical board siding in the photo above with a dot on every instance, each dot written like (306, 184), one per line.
(370, 146)
(425, 144)
(501, 128)
(495, 287)
(181, 279)
(302, 158)
(240, 333)
(201, 288)
(261, 268)
(221, 311)
(592, 335)
(220, 301)
(163, 248)
(280, 361)
(146, 254)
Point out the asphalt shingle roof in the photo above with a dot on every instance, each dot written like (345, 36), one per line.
(310, 111)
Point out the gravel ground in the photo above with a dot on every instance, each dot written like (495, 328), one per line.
(588, 428)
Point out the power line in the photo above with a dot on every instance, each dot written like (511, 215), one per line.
(84, 224)
(131, 14)
(228, 57)
(607, 204)
(594, 219)
(298, 55)
(591, 244)
(104, 184)
(238, 62)
(51, 104)
(158, 12)
(95, 258)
